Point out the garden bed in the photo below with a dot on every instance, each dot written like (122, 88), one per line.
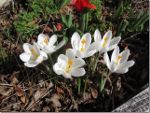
(36, 89)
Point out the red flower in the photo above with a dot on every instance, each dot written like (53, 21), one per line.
(59, 26)
(81, 4)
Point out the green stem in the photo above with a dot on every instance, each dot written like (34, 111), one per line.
(79, 85)
(84, 21)
(48, 69)
(51, 60)
(85, 85)
(95, 65)
(103, 82)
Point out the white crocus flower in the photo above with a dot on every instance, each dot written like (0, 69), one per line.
(32, 55)
(118, 63)
(82, 46)
(68, 66)
(106, 43)
(48, 44)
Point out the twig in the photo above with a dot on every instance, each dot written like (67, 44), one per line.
(7, 98)
(9, 85)
(46, 25)
(38, 99)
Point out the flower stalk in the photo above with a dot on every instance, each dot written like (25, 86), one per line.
(95, 64)
(103, 81)
(79, 85)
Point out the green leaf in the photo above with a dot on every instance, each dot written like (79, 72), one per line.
(64, 2)
(70, 21)
(102, 84)
(120, 9)
(64, 20)
(142, 18)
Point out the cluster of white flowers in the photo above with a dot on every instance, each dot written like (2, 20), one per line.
(38, 52)
(71, 64)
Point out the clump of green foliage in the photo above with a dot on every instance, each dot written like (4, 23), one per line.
(128, 20)
(47, 7)
(26, 25)
(28, 22)
(37, 13)
(98, 12)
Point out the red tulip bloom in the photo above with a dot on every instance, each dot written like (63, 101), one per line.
(81, 4)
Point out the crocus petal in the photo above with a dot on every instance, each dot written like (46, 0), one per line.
(26, 47)
(62, 59)
(49, 49)
(75, 39)
(40, 41)
(42, 36)
(25, 57)
(27, 64)
(79, 54)
(94, 46)
(52, 40)
(107, 35)
(57, 69)
(87, 36)
(37, 45)
(45, 57)
(115, 53)
(78, 72)
(70, 53)
(125, 55)
(67, 75)
(102, 50)
(78, 62)
(90, 53)
(112, 66)
(106, 60)
(39, 59)
(114, 42)
(122, 71)
(97, 35)
(130, 63)
(36, 48)
(62, 43)
(126, 64)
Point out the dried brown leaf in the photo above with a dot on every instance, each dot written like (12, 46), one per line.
(23, 99)
(55, 101)
(94, 93)
(5, 91)
(46, 109)
(37, 95)
(118, 84)
(19, 91)
(86, 96)
(14, 80)
(59, 90)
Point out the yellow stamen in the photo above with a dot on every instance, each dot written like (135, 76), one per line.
(105, 41)
(118, 59)
(82, 49)
(69, 65)
(45, 41)
(83, 42)
(34, 53)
